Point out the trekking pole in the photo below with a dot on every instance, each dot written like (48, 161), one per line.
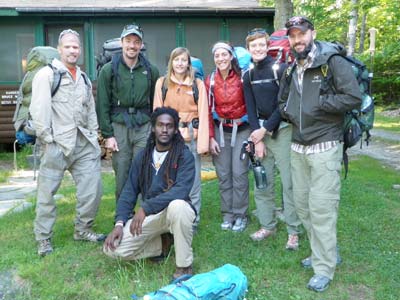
(372, 37)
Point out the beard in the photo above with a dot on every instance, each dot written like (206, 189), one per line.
(303, 54)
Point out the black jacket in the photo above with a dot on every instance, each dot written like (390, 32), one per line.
(319, 117)
(261, 97)
(156, 198)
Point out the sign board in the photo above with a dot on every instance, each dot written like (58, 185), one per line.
(8, 97)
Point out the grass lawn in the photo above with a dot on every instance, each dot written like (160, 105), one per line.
(368, 232)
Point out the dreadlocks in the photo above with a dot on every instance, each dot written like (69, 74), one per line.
(171, 161)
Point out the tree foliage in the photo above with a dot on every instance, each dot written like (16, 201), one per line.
(331, 19)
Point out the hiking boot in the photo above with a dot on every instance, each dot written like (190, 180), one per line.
(89, 236)
(292, 242)
(240, 225)
(167, 240)
(318, 283)
(307, 263)
(44, 247)
(262, 234)
(226, 225)
(183, 271)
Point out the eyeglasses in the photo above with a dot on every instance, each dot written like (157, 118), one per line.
(294, 21)
(256, 31)
(133, 26)
(67, 31)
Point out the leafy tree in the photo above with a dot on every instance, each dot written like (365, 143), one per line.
(332, 20)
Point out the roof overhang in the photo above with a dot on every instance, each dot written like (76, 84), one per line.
(144, 11)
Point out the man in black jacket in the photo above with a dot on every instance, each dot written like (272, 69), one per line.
(317, 116)
(163, 173)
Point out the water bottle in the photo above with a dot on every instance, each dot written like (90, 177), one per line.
(260, 175)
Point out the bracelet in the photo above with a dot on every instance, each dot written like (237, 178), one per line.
(119, 223)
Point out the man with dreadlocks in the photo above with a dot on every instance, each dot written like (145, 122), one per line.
(163, 173)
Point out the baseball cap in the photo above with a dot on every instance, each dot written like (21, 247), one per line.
(299, 22)
(132, 29)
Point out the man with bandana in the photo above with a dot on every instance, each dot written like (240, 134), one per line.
(317, 149)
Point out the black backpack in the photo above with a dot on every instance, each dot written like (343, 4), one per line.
(110, 47)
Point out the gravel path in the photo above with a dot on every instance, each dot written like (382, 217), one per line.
(384, 146)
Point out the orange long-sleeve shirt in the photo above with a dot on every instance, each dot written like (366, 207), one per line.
(180, 97)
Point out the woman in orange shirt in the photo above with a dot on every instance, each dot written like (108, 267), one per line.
(180, 90)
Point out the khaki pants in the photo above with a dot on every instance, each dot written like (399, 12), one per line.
(316, 189)
(177, 218)
(130, 142)
(278, 153)
(84, 166)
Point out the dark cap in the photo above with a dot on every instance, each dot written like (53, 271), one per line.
(132, 29)
(299, 22)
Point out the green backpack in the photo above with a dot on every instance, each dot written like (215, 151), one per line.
(38, 58)
(357, 122)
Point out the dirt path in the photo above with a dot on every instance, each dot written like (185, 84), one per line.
(384, 146)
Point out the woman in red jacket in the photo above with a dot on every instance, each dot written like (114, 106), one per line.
(228, 128)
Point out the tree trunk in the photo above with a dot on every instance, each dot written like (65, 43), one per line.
(362, 32)
(283, 11)
(353, 27)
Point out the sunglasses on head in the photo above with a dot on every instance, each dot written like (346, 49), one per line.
(257, 31)
(294, 21)
(68, 31)
(133, 26)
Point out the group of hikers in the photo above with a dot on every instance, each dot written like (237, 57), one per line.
(159, 127)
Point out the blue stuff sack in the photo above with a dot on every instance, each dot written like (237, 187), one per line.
(227, 282)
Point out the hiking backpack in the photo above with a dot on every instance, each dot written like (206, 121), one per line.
(279, 47)
(197, 66)
(110, 47)
(244, 58)
(227, 282)
(37, 58)
(357, 122)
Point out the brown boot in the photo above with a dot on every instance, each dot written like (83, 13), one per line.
(183, 271)
(167, 240)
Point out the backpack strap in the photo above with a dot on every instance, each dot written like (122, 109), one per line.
(195, 90)
(115, 60)
(164, 89)
(57, 80)
(275, 68)
(149, 76)
(211, 101)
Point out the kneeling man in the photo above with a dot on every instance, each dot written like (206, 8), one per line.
(163, 173)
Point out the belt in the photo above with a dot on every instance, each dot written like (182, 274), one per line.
(126, 111)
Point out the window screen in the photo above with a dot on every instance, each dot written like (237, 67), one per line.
(238, 29)
(16, 42)
(200, 36)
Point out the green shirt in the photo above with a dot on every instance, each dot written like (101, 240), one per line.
(127, 89)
